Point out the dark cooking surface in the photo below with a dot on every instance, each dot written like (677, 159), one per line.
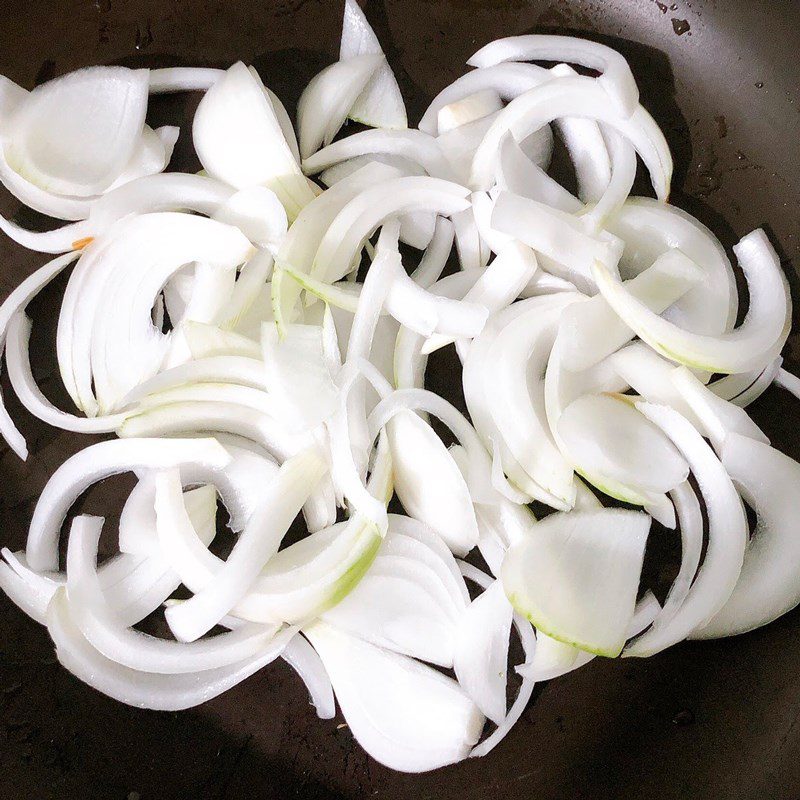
(711, 720)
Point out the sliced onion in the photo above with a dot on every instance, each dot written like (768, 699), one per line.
(616, 77)
(573, 96)
(99, 461)
(414, 145)
(727, 536)
(380, 104)
(328, 98)
(768, 585)
(757, 340)
(146, 690)
(482, 650)
(239, 139)
(576, 580)
(429, 483)
(49, 143)
(387, 724)
(260, 539)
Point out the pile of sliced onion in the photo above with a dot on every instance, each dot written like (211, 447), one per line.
(259, 335)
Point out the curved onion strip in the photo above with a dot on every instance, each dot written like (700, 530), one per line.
(571, 253)
(183, 79)
(718, 417)
(238, 370)
(651, 228)
(768, 585)
(103, 354)
(328, 97)
(49, 143)
(300, 581)
(100, 461)
(481, 651)
(387, 725)
(239, 139)
(508, 80)
(498, 285)
(414, 145)
(259, 540)
(690, 519)
(757, 340)
(303, 659)
(569, 96)
(363, 214)
(437, 252)
(428, 482)
(623, 173)
(105, 631)
(16, 302)
(592, 331)
(424, 400)
(528, 641)
(29, 394)
(519, 345)
(554, 659)
(146, 690)
(381, 104)
(616, 76)
(727, 536)
(517, 174)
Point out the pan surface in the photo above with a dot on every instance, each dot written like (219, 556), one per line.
(703, 720)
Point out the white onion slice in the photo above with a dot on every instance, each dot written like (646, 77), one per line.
(362, 215)
(616, 76)
(517, 174)
(99, 461)
(414, 145)
(380, 105)
(49, 143)
(573, 96)
(718, 417)
(303, 659)
(146, 690)
(139, 651)
(556, 235)
(328, 98)
(259, 540)
(15, 303)
(498, 285)
(757, 340)
(592, 331)
(618, 450)
(768, 585)
(468, 109)
(576, 580)
(428, 482)
(509, 80)
(727, 536)
(400, 605)
(239, 139)
(482, 650)
(387, 723)
(183, 79)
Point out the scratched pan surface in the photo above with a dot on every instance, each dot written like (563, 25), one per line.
(714, 720)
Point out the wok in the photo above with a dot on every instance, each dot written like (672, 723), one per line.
(705, 720)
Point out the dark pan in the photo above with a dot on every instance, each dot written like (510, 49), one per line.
(716, 720)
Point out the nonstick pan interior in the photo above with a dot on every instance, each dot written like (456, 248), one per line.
(704, 720)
